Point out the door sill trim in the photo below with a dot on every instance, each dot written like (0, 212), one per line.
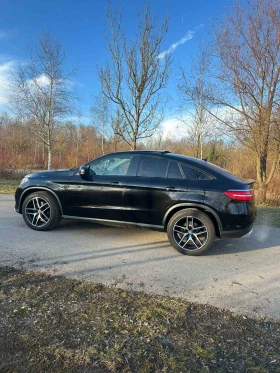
(116, 222)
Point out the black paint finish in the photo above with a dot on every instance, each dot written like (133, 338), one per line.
(146, 201)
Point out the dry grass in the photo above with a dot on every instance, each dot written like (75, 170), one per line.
(8, 186)
(269, 216)
(54, 324)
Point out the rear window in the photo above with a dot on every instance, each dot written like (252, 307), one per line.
(152, 167)
(194, 173)
(221, 170)
(174, 171)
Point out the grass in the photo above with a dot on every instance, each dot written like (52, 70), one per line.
(268, 216)
(55, 324)
(8, 186)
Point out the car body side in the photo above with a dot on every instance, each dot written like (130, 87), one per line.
(145, 201)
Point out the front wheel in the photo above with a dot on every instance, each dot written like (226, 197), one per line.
(191, 232)
(40, 211)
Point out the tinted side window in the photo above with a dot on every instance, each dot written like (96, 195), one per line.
(152, 167)
(114, 165)
(194, 174)
(174, 171)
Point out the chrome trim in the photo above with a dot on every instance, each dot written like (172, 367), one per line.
(118, 222)
(40, 188)
(114, 208)
(248, 234)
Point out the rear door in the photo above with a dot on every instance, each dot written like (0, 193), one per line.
(101, 196)
(156, 185)
(198, 182)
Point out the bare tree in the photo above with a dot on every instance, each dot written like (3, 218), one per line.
(247, 90)
(42, 90)
(193, 89)
(136, 74)
(101, 117)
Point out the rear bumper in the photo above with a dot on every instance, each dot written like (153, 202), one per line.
(246, 232)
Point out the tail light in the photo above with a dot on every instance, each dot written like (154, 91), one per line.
(240, 195)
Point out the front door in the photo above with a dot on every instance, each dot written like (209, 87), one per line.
(101, 196)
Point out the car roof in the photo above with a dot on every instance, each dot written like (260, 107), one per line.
(192, 161)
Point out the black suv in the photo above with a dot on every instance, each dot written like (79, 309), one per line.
(193, 200)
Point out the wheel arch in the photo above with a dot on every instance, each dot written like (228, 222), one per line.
(30, 190)
(207, 210)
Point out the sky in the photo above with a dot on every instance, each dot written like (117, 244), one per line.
(80, 26)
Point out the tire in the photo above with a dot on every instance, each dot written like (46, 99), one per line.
(191, 232)
(40, 211)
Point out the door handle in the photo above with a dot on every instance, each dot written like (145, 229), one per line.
(116, 183)
(172, 189)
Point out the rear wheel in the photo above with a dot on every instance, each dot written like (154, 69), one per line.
(40, 211)
(191, 232)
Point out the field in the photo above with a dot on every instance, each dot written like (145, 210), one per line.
(8, 186)
(55, 324)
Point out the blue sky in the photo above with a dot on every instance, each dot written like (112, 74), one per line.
(80, 25)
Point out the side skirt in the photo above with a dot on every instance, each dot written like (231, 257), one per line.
(117, 223)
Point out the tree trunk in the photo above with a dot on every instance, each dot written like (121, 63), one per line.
(262, 193)
(49, 157)
(261, 177)
(134, 141)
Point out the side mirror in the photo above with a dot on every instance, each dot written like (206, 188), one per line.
(83, 172)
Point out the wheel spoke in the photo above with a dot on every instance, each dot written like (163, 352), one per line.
(38, 217)
(198, 240)
(31, 213)
(45, 216)
(190, 222)
(179, 231)
(33, 218)
(46, 208)
(38, 211)
(184, 235)
(190, 233)
(205, 231)
(37, 202)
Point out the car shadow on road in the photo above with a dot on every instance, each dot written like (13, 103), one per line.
(263, 237)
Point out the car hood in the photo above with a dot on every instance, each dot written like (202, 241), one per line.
(50, 173)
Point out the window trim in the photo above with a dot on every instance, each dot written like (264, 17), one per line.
(211, 177)
(180, 169)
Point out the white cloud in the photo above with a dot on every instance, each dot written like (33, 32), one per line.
(5, 69)
(189, 35)
(173, 128)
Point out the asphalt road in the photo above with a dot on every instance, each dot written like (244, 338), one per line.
(242, 275)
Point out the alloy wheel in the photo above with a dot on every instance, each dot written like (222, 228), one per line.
(38, 212)
(190, 233)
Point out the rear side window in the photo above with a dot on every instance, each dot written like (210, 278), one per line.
(152, 167)
(194, 174)
(174, 171)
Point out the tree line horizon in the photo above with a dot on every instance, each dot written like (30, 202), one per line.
(229, 97)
